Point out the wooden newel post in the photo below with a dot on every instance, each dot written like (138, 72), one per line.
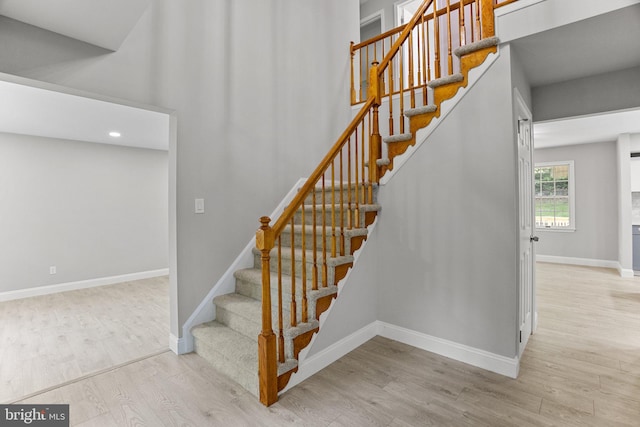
(267, 352)
(488, 17)
(375, 144)
(353, 88)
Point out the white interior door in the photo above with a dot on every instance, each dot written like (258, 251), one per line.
(525, 223)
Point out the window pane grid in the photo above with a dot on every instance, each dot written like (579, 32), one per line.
(552, 196)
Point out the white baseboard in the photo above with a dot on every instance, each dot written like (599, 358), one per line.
(625, 272)
(322, 359)
(179, 345)
(472, 356)
(82, 284)
(482, 359)
(587, 262)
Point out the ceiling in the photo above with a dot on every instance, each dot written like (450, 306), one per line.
(592, 46)
(102, 23)
(34, 111)
(586, 129)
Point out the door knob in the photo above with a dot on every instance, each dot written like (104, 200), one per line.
(533, 238)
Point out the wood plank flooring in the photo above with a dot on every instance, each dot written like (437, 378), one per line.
(582, 367)
(51, 339)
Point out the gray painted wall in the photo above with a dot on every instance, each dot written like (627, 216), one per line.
(91, 210)
(617, 90)
(596, 187)
(447, 267)
(373, 6)
(519, 78)
(260, 92)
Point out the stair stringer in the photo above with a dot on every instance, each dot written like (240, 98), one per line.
(444, 109)
(352, 312)
(206, 311)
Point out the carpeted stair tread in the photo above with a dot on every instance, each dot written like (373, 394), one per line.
(410, 112)
(323, 238)
(297, 229)
(229, 352)
(244, 314)
(453, 78)
(379, 162)
(475, 46)
(337, 190)
(402, 137)
(285, 252)
(366, 207)
(250, 281)
(240, 313)
(309, 232)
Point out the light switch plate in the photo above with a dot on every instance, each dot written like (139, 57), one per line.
(199, 206)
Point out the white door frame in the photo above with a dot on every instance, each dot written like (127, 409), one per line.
(524, 118)
(379, 15)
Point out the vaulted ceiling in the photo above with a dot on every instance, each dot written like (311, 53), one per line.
(34, 108)
(102, 23)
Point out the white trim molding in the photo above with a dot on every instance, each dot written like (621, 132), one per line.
(625, 272)
(377, 15)
(473, 356)
(502, 365)
(82, 284)
(587, 262)
(179, 345)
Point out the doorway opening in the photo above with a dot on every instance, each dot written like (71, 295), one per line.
(81, 210)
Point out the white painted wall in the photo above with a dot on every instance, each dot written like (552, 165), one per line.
(260, 92)
(596, 195)
(91, 210)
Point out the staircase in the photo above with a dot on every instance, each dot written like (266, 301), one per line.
(229, 343)
(299, 261)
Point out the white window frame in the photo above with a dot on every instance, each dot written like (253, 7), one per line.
(572, 195)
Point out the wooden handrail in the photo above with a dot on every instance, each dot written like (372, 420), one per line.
(288, 213)
(499, 3)
(400, 28)
(379, 37)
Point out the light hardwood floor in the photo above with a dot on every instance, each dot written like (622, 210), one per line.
(581, 368)
(50, 339)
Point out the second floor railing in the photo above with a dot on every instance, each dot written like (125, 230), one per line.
(428, 53)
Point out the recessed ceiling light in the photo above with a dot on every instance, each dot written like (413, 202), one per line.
(114, 134)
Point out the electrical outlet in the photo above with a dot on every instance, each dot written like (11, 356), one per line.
(52, 269)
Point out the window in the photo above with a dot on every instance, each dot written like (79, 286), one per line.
(554, 194)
